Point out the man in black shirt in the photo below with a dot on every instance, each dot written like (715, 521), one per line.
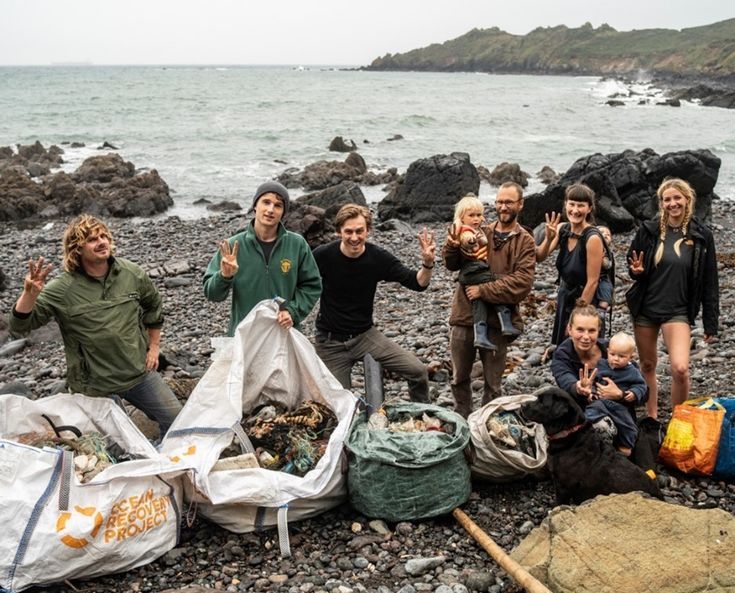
(351, 269)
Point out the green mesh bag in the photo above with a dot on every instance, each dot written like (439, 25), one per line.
(402, 476)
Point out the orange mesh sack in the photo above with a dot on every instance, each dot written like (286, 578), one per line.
(693, 437)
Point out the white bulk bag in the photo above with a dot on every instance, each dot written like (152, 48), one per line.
(492, 460)
(55, 528)
(267, 363)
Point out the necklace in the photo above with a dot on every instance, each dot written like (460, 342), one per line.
(675, 229)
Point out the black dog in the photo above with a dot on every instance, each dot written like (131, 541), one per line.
(581, 465)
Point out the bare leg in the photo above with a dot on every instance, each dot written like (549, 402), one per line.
(677, 337)
(645, 341)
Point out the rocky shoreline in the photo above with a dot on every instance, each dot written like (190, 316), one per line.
(341, 550)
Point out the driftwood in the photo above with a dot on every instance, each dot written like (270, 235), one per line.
(515, 570)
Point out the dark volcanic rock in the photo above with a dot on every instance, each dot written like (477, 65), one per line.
(430, 189)
(547, 175)
(355, 160)
(324, 174)
(104, 168)
(103, 185)
(708, 96)
(320, 175)
(224, 206)
(625, 184)
(333, 198)
(311, 222)
(338, 144)
(20, 197)
(507, 172)
(3, 280)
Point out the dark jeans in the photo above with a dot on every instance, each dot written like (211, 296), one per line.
(476, 272)
(462, 350)
(340, 357)
(155, 399)
(619, 414)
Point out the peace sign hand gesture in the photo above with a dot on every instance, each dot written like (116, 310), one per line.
(586, 381)
(636, 263)
(552, 225)
(35, 279)
(228, 263)
(428, 247)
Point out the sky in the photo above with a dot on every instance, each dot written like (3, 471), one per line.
(297, 32)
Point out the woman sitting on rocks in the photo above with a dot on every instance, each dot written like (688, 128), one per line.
(576, 358)
(580, 254)
(672, 260)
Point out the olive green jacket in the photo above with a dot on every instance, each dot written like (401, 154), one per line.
(103, 324)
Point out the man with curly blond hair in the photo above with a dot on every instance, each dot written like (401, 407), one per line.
(110, 317)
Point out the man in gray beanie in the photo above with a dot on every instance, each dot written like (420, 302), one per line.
(263, 262)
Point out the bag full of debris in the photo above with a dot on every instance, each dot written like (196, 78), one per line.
(82, 491)
(263, 430)
(507, 447)
(407, 461)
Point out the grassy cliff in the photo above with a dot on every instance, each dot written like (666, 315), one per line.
(707, 51)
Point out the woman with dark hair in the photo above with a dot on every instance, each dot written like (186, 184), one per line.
(672, 260)
(581, 250)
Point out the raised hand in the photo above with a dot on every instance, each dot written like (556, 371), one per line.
(453, 236)
(636, 263)
(35, 279)
(552, 225)
(586, 381)
(228, 263)
(428, 247)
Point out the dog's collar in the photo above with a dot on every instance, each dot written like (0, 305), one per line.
(566, 432)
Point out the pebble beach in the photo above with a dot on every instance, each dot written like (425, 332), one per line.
(340, 550)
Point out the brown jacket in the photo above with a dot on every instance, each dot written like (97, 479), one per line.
(514, 263)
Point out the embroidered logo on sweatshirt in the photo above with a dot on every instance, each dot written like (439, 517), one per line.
(285, 265)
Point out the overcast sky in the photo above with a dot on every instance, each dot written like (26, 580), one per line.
(297, 31)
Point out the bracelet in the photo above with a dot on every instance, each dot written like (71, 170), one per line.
(431, 267)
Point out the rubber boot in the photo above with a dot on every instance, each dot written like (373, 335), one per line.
(603, 315)
(481, 339)
(506, 324)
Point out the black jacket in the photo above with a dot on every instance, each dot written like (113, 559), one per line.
(704, 288)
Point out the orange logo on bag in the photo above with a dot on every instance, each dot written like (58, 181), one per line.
(81, 520)
(190, 451)
(285, 265)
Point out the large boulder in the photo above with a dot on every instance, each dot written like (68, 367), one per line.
(104, 168)
(141, 195)
(333, 198)
(625, 185)
(20, 197)
(325, 174)
(103, 185)
(507, 172)
(320, 175)
(34, 158)
(431, 188)
(311, 222)
(614, 544)
(338, 144)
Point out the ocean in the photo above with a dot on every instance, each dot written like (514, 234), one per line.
(217, 132)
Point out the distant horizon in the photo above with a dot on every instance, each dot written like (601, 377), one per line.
(296, 33)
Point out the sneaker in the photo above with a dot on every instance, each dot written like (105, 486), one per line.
(605, 429)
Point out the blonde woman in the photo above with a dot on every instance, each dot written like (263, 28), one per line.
(672, 260)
